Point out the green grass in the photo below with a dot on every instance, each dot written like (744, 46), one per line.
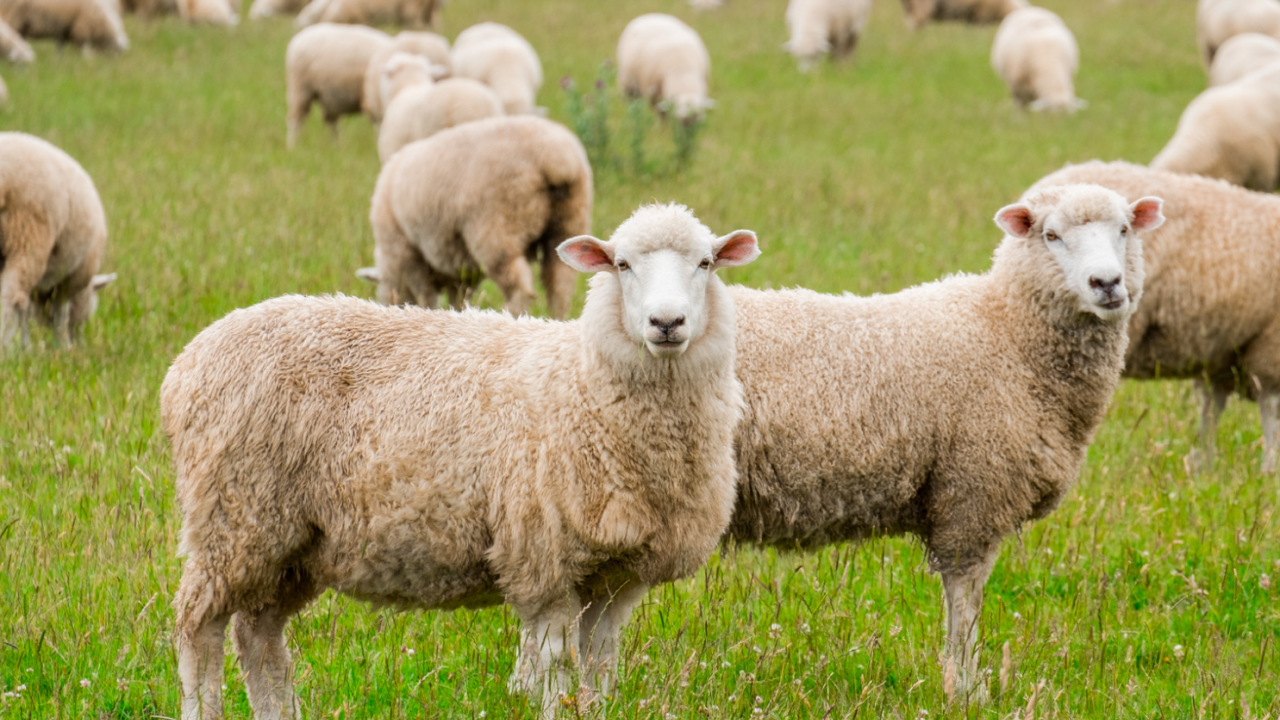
(1139, 598)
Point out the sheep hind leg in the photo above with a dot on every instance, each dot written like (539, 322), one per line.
(19, 276)
(512, 274)
(201, 631)
(962, 592)
(542, 670)
(605, 613)
(299, 102)
(264, 655)
(559, 280)
(1213, 398)
(1269, 408)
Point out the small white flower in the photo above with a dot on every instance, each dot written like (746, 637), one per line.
(671, 716)
(702, 664)
(775, 630)
(804, 628)
(408, 651)
(725, 664)
(484, 713)
(644, 658)
(20, 688)
(757, 711)
(1178, 652)
(122, 684)
(84, 682)
(732, 698)
(759, 699)
(757, 649)
(1017, 615)
(1264, 582)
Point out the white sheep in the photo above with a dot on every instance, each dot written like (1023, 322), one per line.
(819, 27)
(210, 12)
(1241, 55)
(12, 47)
(920, 12)
(1230, 132)
(410, 13)
(429, 45)
(151, 8)
(955, 411)
(1219, 20)
(326, 63)
(424, 109)
(53, 232)
(706, 4)
(432, 459)
(89, 24)
(664, 61)
(480, 199)
(499, 57)
(1210, 310)
(271, 8)
(1036, 55)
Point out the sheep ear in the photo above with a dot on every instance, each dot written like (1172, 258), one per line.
(586, 254)
(369, 275)
(1148, 214)
(737, 248)
(100, 281)
(1015, 220)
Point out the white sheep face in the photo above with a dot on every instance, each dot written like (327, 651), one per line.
(1089, 244)
(663, 259)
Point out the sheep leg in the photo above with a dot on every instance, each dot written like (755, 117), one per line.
(1213, 399)
(602, 619)
(264, 656)
(1269, 407)
(560, 281)
(963, 596)
(542, 671)
(202, 625)
(511, 273)
(19, 276)
(62, 322)
(299, 107)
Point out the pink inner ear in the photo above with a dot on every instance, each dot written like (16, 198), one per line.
(586, 255)
(740, 249)
(1015, 220)
(1148, 214)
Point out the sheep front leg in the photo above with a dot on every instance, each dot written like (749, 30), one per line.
(545, 642)
(1269, 408)
(963, 596)
(200, 663)
(1213, 399)
(602, 620)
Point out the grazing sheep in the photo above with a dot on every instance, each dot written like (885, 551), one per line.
(423, 110)
(819, 27)
(706, 4)
(1219, 20)
(1211, 307)
(483, 197)
(326, 63)
(210, 12)
(441, 460)
(1241, 55)
(410, 13)
(955, 411)
(664, 61)
(53, 232)
(89, 24)
(429, 45)
(270, 8)
(12, 47)
(1230, 132)
(920, 12)
(150, 8)
(499, 57)
(1036, 55)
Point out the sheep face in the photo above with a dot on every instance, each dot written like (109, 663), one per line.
(403, 71)
(662, 259)
(1086, 231)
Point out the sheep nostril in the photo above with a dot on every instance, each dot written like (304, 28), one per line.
(668, 326)
(676, 323)
(1105, 286)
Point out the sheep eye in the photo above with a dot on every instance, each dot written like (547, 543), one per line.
(705, 264)
(623, 265)
(1051, 236)
(1124, 231)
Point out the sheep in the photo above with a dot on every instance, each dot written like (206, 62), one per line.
(1230, 132)
(1219, 20)
(664, 61)
(955, 411)
(410, 13)
(53, 232)
(425, 109)
(90, 24)
(706, 4)
(1211, 308)
(1036, 55)
(819, 27)
(4, 94)
(270, 8)
(211, 12)
(326, 63)
(920, 12)
(483, 197)
(1241, 55)
(440, 460)
(151, 8)
(426, 44)
(12, 47)
(499, 57)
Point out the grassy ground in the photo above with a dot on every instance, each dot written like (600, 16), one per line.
(1142, 596)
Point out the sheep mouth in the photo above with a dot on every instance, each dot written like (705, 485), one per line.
(1115, 304)
(668, 348)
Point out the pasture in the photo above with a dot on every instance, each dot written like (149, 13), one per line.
(1148, 594)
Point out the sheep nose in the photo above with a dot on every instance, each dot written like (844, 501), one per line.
(668, 326)
(1106, 286)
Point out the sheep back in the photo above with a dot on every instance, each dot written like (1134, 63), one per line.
(420, 112)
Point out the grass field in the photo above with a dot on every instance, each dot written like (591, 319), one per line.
(1146, 595)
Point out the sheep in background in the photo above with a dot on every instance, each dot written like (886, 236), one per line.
(819, 27)
(12, 47)
(920, 12)
(705, 4)
(270, 8)
(501, 58)
(410, 13)
(423, 107)
(955, 411)
(482, 197)
(1219, 20)
(326, 63)
(442, 460)
(1230, 132)
(429, 45)
(664, 61)
(1211, 307)
(1036, 55)
(53, 232)
(4, 94)
(211, 12)
(151, 8)
(1241, 55)
(89, 24)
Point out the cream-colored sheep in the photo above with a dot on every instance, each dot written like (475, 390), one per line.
(1219, 20)
(410, 13)
(480, 199)
(819, 27)
(1211, 307)
(150, 8)
(705, 4)
(326, 63)
(210, 12)
(90, 24)
(53, 232)
(422, 110)
(429, 45)
(920, 12)
(270, 8)
(499, 57)
(12, 47)
(1036, 55)
(430, 459)
(664, 61)
(1230, 132)
(1241, 55)
(955, 411)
